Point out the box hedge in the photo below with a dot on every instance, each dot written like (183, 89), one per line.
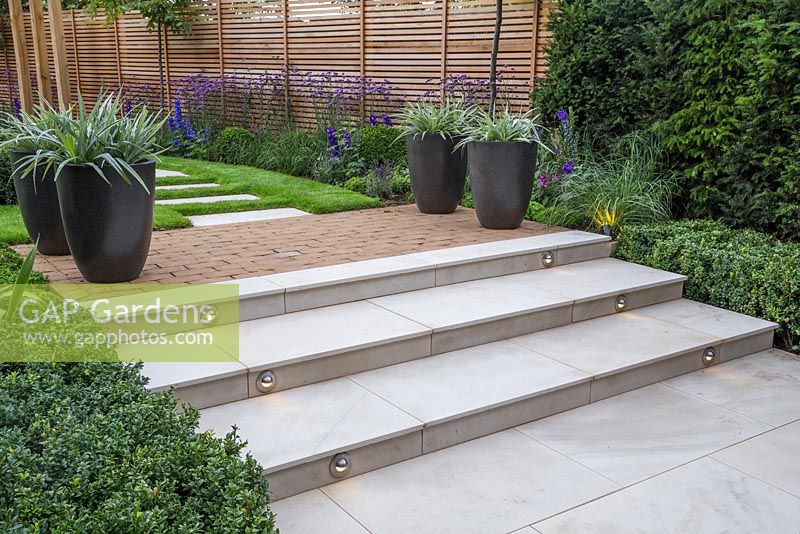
(85, 448)
(740, 270)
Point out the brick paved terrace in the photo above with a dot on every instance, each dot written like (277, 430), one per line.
(225, 252)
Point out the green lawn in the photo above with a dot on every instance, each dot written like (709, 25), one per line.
(274, 190)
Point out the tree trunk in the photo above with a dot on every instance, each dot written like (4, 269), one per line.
(160, 68)
(498, 22)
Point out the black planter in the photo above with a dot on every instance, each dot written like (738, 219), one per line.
(108, 227)
(501, 178)
(438, 174)
(38, 204)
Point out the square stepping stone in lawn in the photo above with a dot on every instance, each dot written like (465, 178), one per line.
(206, 200)
(245, 216)
(164, 173)
(184, 186)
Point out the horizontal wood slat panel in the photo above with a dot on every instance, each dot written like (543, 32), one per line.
(402, 47)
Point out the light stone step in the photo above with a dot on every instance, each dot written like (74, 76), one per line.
(265, 296)
(319, 344)
(185, 186)
(237, 217)
(205, 200)
(446, 399)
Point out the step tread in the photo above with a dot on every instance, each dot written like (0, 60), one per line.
(597, 278)
(321, 332)
(467, 381)
(615, 343)
(304, 424)
(454, 306)
(467, 303)
(725, 324)
(444, 387)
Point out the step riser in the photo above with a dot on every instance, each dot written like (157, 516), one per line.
(287, 482)
(383, 284)
(434, 437)
(313, 371)
(391, 353)
(455, 274)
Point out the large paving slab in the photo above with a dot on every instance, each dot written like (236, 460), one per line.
(310, 423)
(205, 200)
(321, 332)
(614, 343)
(478, 487)
(729, 326)
(771, 457)
(642, 433)
(703, 496)
(473, 392)
(334, 284)
(313, 512)
(462, 382)
(595, 285)
(765, 386)
(459, 305)
(245, 216)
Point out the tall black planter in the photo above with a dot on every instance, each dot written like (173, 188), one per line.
(108, 227)
(38, 204)
(501, 179)
(438, 174)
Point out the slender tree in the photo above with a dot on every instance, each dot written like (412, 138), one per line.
(498, 23)
(160, 15)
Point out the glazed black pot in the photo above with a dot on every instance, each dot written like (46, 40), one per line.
(38, 204)
(438, 173)
(501, 179)
(108, 227)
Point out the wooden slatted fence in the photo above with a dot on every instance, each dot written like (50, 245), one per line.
(324, 48)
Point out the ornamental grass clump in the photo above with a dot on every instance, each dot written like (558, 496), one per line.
(503, 126)
(627, 186)
(103, 138)
(423, 118)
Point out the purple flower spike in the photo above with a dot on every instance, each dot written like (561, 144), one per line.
(387, 120)
(561, 114)
(346, 141)
(568, 167)
(543, 180)
(373, 120)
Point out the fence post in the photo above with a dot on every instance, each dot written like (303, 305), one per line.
(40, 53)
(21, 55)
(5, 62)
(443, 71)
(535, 38)
(77, 55)
(166, 68)
(221, 58)
(286, 57)
(362, 60)
(116, 49)
(59, 43)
